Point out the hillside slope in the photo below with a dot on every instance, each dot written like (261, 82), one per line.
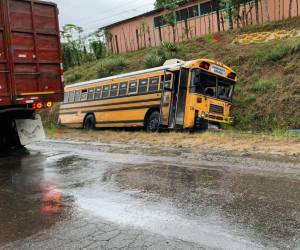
(268, 93)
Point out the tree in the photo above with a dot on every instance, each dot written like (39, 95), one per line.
(71, 45)
(228, 5)
(170, 18)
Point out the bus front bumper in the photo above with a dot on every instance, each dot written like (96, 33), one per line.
(216, 118)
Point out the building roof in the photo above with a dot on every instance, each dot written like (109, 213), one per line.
(149, 13)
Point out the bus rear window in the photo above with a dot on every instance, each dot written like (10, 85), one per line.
(143, 85)
(132, 87)
(123, 89)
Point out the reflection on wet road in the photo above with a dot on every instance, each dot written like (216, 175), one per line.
(71, 195)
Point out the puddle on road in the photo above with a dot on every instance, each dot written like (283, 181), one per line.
(266, 208)
(29, 201)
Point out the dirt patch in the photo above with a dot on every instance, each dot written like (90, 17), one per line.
(227, 142)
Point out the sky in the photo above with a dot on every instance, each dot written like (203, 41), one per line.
(93, 14)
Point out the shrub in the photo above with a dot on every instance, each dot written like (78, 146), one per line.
(158, 56)
(153, 60)
(73, 78)
(275, 54)
(263, 86)
(110, 66)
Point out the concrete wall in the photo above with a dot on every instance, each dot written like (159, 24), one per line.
(140, 33)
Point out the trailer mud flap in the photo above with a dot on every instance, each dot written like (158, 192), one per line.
(30, 130)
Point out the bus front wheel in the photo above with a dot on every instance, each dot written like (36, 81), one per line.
(152, 124)
(89, 122)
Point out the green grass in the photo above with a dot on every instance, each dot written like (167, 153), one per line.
(264, 86)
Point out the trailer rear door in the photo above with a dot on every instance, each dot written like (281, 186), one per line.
(33, 42)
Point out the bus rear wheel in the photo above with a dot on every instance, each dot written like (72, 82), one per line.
(89, 122)
(152, 123)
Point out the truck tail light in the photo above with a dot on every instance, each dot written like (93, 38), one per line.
(49, 104)
(205, 65)
(38, 105)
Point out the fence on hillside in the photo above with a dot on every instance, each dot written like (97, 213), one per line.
(137, 34)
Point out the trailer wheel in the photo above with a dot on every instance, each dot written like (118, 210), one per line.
(152, 124)
(89, 122)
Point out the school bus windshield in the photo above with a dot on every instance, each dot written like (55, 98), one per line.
(212, 85)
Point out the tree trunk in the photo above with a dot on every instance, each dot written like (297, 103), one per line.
(266, 5)
(279, 9)
(283, 9)
(137, 38)
(160, 35)
(218, 15)
(230, 20)
(174, 33)
(290, 8)
(257, 11)
(186, 28)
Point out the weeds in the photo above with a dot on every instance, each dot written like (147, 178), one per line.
(278, 51)
(263, 86)
(111, 66)
(275, 54)
(158, 56)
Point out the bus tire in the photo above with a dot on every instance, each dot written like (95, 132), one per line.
(89, 122)
(152, 123)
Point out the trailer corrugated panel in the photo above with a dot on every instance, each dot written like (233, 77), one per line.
(30, 56)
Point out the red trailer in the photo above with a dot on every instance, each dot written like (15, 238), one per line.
(31, 74)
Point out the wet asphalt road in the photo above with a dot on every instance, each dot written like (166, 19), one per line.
(67, 195)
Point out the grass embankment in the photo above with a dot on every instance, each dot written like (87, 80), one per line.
(268, 93)
(227, 142)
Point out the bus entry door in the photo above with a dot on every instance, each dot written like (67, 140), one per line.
(179, 98)
(166, 86)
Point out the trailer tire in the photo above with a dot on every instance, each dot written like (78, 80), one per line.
(89, 122)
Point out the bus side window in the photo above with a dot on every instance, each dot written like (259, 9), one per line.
(166, 81)
(132, 87)
(77, 95)
(91, 94)
(123, 88)
(143, 85)
(98, 93)
(105, 91)
(153, 86)
(71, 96)
(114, 90)
(66, 97)
(84, 95)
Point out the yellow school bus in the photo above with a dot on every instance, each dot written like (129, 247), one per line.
(178, 95)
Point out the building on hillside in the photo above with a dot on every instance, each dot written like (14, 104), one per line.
(192, 18)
